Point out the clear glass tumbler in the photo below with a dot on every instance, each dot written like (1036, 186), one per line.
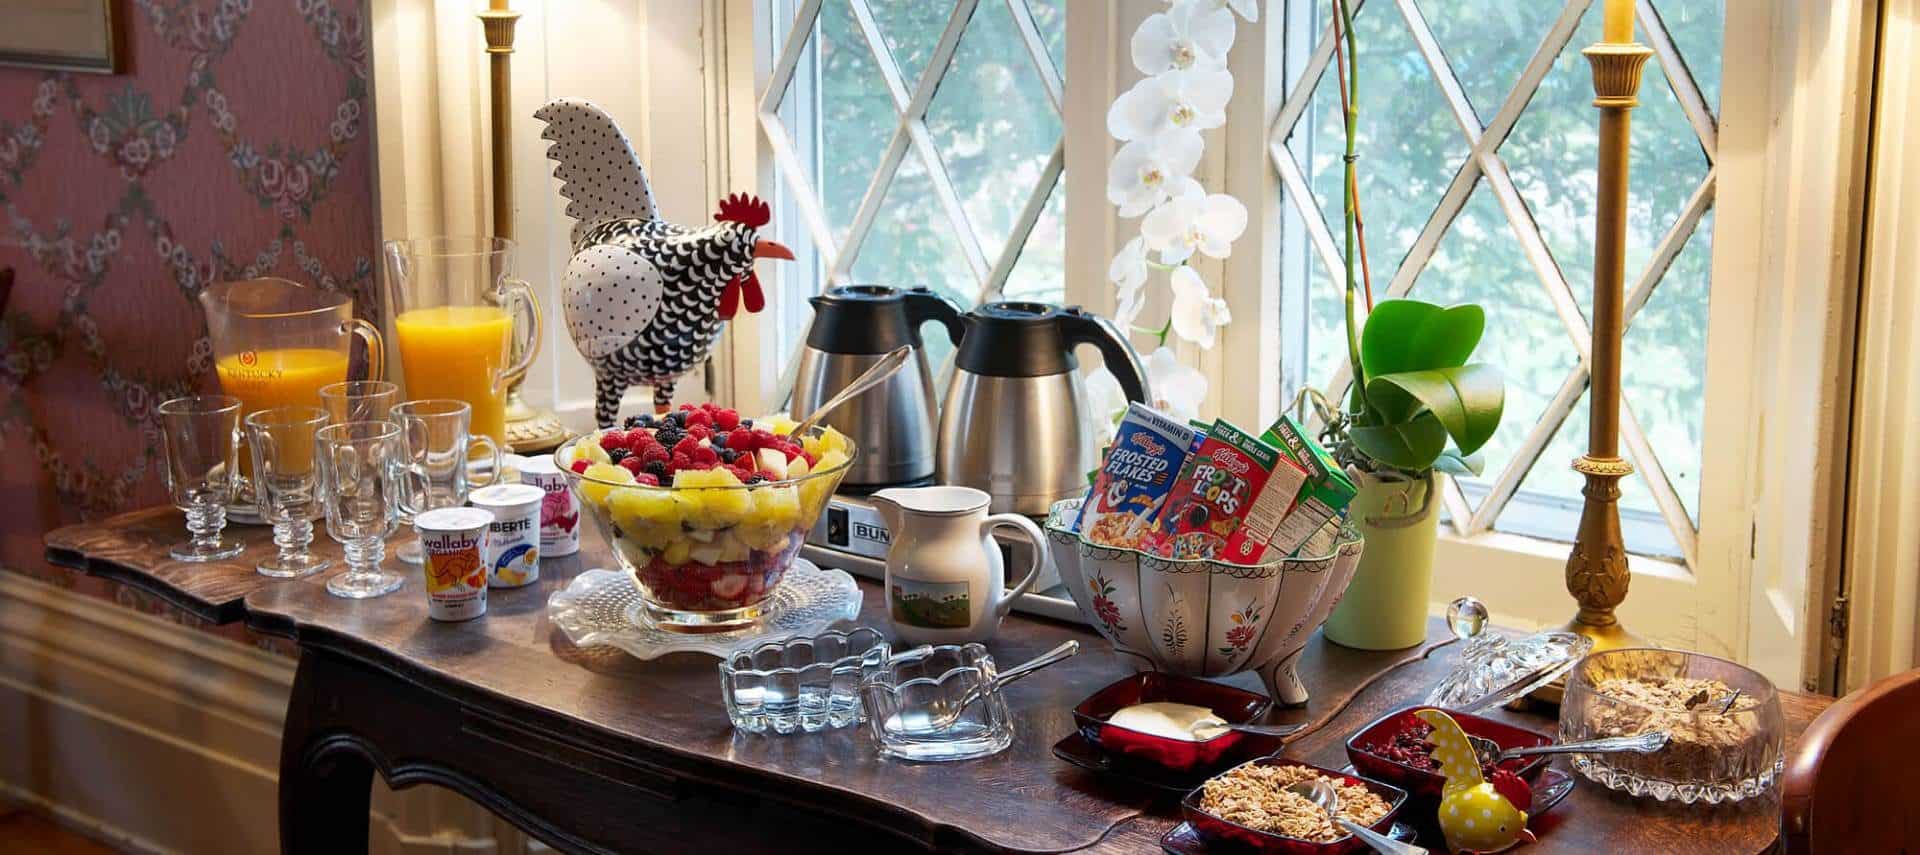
(286, 484)
(363, 481)
(201, 436)
(358, 400)
(438, 443)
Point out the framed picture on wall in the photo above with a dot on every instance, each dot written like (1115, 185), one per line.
(65, 35)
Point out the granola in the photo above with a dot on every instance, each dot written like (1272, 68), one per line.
(1686, 707)
(1255, 796)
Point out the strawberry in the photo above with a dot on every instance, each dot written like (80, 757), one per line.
(741, 440)
(580, 465)
(726, 419)
(646, 478)
(1512, 788)
(730, 586)
(631, 464)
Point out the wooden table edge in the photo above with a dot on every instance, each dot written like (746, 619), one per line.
(62, 552)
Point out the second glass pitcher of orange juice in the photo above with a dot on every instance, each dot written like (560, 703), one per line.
(276, 342)
(461, 317)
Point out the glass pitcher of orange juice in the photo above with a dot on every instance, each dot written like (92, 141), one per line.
(461, 319)
(276, 342)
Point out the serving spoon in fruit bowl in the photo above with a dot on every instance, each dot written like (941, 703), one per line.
(868, 379)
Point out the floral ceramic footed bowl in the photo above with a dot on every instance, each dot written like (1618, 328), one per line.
(1204, 618)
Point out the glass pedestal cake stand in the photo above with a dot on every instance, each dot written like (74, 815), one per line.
(602, 608)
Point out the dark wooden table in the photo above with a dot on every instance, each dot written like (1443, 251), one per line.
(592, 750)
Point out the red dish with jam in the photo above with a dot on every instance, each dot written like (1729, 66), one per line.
(1389, 750)
(1175, 755)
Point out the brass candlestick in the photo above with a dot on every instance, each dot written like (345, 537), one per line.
(528, 429)
(1597, 574)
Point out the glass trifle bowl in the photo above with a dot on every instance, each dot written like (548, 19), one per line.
(710, 542)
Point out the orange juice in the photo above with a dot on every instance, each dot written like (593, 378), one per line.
(456, 352)
(279, 377)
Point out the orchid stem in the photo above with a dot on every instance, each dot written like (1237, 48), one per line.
(1344, 55)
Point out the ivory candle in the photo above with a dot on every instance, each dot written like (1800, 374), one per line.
(1619, 22)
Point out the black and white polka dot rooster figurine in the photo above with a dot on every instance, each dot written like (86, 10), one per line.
(644, 298)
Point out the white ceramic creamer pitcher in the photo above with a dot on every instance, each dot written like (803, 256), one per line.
(946, 581)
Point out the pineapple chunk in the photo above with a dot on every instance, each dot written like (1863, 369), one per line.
(776, 507)
(707, 553)
(596, 492)
(833, 440)
(733, 549)
(778, 423)
(726, 507)
(677, 552)
(797, 467)
(588, 449)
(762, 535)
(636, 508)
(814, 493)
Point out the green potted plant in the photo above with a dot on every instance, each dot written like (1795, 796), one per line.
(1417, 405)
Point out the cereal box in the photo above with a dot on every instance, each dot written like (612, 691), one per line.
(1323, 497)
(1133, 482)
(1231, 494)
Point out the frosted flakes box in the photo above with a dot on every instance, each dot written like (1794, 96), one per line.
(1135, 478)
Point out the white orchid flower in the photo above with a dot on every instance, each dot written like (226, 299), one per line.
(1193, 221)
(1196, 312)
(1106, 401)
(1194, 99)
(1145, 171)
(1129, 272)
(1178, 388)
(1194, 33)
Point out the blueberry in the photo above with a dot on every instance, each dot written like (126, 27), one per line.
(755, 478)
(719, 439)
(728, 455)
(634, 422)
(746, 423)
(678, 417)
(646, 420)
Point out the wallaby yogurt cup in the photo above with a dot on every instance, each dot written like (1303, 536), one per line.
(454, 541)
(559, 512)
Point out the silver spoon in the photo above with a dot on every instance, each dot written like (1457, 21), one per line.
(868, 379)
(1000, 681)
(1325, 798)
(1207, 728)
(1489, 752)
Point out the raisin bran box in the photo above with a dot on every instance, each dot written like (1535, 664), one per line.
(1133, 481)
(1323, 497)
(1231, 494)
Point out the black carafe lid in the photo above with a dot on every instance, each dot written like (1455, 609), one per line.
(1019, 339)
(875, 319)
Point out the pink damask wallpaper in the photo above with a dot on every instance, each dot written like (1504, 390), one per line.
(238, 144)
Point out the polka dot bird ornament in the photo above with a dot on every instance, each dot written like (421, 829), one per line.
(644, 298)
(1476, 814)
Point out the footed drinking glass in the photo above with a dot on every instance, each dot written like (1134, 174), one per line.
(200, 434)
(285, 485)
(363, 471)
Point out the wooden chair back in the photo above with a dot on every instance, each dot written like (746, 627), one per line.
(1849, 783)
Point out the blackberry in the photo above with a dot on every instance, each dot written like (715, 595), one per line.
(658, 469)
(678, 417)
(669, 436)
(618, 454)
(646, 420)
(634, 422)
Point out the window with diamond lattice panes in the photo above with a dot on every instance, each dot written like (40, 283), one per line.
(1477, 141)
(917, 143)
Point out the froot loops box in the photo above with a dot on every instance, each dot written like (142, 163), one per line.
(1230, 496)
(455, 543)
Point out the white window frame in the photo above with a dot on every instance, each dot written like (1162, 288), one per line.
(1791, 172)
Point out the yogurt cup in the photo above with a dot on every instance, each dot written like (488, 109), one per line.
(559, 513)
(513, 539)
(454, 541)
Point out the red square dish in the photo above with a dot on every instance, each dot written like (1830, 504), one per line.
(1364, 747)
(1228, 835)
(1175, 755)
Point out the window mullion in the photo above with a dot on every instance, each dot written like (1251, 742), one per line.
(1655, 477)
(869, 208)
(1534, 246)
(1023, 226)
(1670, 246)
(1037, 52)
(783, 67)
(1507, 483)
(1442, 71)
(1680, 77)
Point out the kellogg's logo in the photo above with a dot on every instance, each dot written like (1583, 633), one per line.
(1150, 445)
(1225, 458)
(248, 357)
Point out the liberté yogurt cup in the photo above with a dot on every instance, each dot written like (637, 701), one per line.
(513, 539)
(455, 543)
(559, 513)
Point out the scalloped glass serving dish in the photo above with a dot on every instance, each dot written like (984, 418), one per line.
(800, 685)
(922, 705)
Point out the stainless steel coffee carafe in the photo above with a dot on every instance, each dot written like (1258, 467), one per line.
(892, 424)
(1015, 422)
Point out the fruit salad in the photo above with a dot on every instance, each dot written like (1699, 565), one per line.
(706, 508)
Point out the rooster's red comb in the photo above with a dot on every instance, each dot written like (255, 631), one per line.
(746, 210)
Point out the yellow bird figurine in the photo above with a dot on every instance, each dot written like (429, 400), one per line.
(1475, 815)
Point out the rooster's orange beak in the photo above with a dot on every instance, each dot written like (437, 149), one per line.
(771, 249)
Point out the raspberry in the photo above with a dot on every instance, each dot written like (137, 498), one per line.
(580, 465)
(646, 478)
(726, 419)
(686, 444)
(700, 431)
(680, 461)
(705, 456)
(741, 440)
(790, 450)
(741, 473)
(655, 452)
(613, 438)
(700, 417)
(630, 463)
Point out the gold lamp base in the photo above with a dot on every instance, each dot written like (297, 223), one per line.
(530, 430)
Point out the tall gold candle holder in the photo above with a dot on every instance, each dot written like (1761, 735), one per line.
(528, 429)
(1597, 574)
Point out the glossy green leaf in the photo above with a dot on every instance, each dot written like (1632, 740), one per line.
(1467, 400)
(1410, 445)
(1455, 463)
(1411, 335)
